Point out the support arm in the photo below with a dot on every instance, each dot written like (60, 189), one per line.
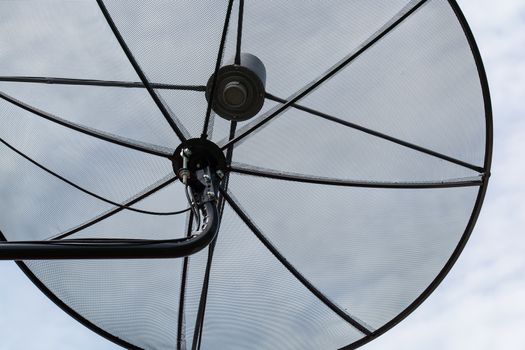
(205, 193)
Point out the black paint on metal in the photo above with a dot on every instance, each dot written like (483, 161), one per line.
(118, 140)
(181, 337)
(331, 72)
(139, 71)
(479, 200)
(239, 33)
(148, 192)
(90, 193)
(217, 67)
(67, 309)
(95, 82)
(239, 91)
(272, 174)
(128, 248)
(199, 323)
(203, 153)
(323, 298)
(378, 134)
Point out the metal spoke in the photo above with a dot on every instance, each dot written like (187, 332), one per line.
(121, 141)
(135, 199)
(181, 338)
(167, 115)
(217, 67)
(323, 298)
(377, 134)
(272, 113)
(95, 82)
(199, 324)
(239, 33)
(273, 174)
(92, 194)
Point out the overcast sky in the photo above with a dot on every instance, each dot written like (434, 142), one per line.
(480, 303)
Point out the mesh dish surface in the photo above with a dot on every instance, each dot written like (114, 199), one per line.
(343, 212)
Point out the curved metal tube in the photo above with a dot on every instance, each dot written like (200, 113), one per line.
(115, 248)
(111, 248)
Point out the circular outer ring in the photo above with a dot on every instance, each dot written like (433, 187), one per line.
(254, 92)
(432, 286)
(487, 163)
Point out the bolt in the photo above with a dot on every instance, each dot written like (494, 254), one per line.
(220, 174)
(184, 174)
(211, 195)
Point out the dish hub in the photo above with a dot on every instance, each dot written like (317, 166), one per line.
(199, 154)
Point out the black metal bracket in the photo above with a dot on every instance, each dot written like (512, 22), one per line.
(205, 192)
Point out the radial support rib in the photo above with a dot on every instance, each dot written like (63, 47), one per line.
(217, 67)
(239, 33)
(376, 134)
(133, 200)
(323, 298)
(181, 336)
(205, 190)
(118, 140)
(80, 188)
(139, 72)
(272, 113)
(114, 248)
(95, 82)
(199, 324)
(272, 174)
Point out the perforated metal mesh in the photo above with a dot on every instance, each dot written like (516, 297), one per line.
(344, 210)
(392, 242)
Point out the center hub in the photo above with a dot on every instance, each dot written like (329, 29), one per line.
(201, 153)
(238, 92)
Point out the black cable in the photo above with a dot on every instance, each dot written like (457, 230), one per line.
(92, 194)
(199, 323)
(150, 190)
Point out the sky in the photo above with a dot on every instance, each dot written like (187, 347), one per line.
(478, 306)
(480, 303)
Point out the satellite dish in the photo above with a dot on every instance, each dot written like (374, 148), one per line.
(234, 174)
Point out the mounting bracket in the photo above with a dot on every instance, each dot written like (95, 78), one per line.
(204, 187)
